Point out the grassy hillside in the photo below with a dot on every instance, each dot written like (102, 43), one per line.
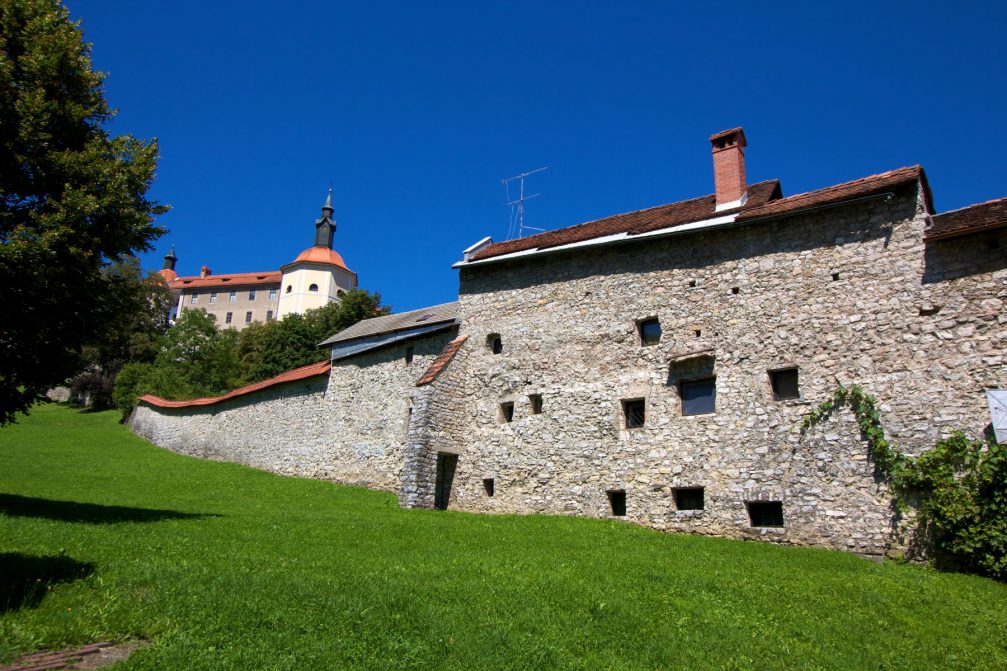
(104, 536)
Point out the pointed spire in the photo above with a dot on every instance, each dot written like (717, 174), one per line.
(170, 259)
(328, 203)
(325, 227)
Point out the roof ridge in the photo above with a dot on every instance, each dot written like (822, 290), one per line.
(968, 207)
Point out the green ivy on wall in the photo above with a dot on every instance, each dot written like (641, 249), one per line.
(958, 488)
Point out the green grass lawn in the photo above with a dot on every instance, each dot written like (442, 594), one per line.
(104, 536)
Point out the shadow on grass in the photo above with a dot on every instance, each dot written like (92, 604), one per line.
(25, 579)
(91, 513)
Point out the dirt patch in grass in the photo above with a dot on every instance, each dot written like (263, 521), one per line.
(94, 656)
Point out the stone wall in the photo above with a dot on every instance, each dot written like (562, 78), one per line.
(349, 427)
(847, 294)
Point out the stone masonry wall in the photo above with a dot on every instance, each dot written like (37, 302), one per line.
(349, 427)
(847, 294)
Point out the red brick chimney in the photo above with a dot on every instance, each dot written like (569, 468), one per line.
(205, 272)
(729, 167)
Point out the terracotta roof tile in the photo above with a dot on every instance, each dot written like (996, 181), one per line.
(226, 280)
(442, 361)
(764, 200)
(302, 373)
(641, 221)
(323, 255)
(858, 188)
(980, 217)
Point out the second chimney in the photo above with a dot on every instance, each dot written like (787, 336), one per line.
(729, 168)
(205, 271)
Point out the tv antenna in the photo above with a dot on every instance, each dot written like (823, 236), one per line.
(516, 222)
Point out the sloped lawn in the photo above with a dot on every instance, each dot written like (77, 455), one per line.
(103, 536)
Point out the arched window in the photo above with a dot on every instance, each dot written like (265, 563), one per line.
(340, 293)
(313, 287)
(289, 287)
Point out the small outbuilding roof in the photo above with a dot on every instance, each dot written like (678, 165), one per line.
(404, 321)
(981, 217)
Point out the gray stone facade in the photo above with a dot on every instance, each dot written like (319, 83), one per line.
(348, 427)
(845, 294)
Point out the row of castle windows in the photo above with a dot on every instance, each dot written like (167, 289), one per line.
(229, 317)
(232, 297)
(698, 397)
(760, 513)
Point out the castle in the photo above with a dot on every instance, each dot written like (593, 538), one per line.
(317, 277)
(656, 366)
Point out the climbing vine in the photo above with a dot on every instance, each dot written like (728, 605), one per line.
(958, 488)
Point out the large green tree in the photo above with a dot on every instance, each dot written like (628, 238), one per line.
(72, 200)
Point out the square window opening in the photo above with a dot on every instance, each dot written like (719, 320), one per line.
(735, 290)
(213, 296)
(269, 315)
(536, 403)
(699, 397)
(251, 294)
(227, 319)
(617, 502)
(692, 284)
(634, 412)
(650, 331)
(835, 277)
(489, 486)
(494, 343)
(785, 384)
(689, 498)
(409, 355)
(248, 317)
(506, 412)
(765, 513)
(232, 297)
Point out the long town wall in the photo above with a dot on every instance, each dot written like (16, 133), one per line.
(845, 295)
(346, 426)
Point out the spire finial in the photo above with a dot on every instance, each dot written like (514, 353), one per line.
(328, 200)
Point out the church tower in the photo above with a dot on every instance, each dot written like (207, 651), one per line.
(318, 276)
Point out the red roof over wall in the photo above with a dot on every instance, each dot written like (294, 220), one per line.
(303, 373)
(228, 280)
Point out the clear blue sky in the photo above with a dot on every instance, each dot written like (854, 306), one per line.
(414, 111)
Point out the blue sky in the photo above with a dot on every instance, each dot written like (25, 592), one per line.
(414, 112)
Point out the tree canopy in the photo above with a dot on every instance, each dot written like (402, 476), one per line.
(73, 199)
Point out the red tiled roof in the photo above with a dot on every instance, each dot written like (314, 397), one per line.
(858, 188)
(231, 279)
(764, 200)
(971, 219)
(168, 274)
(302, 373)
(442, 361)
(641, 221)
(322, 255)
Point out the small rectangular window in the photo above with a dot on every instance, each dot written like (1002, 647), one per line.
(650, 331)
(272, 294)
(227, 319)
(248, 317)
(784, 384)
(269, 315)
(765, 513)
(494, 343)
(634, 411)
(535, 400)
(689, 498)
(409, 355)
(617, 501)
(699, 397)
(489, 486)
(251, 294)
(213, 296)
(506, 412)
(232, 297)
(194, 299)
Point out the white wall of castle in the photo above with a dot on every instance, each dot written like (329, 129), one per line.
(296, 295)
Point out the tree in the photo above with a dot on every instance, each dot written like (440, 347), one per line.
(72, 200)
(273, 348)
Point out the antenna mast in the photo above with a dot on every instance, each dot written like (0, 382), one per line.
(517, 204)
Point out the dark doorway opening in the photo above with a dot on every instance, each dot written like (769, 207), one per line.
(446, 464)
